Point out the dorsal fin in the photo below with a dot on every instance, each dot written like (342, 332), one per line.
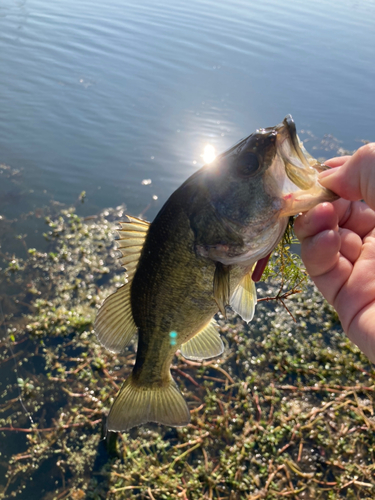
(244, 298)
(114, 324)
(205, 344)
(132, 236)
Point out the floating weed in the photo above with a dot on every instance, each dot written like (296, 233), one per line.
(287, 411)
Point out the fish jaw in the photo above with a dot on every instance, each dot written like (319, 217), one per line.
(304, 200)
(293, 176)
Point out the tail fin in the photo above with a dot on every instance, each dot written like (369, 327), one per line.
(137, 405)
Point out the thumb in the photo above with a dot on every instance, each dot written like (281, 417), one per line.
(355, 180)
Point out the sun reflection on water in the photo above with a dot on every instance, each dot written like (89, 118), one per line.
(209, 153)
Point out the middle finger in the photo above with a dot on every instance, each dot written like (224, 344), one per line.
(356, 216)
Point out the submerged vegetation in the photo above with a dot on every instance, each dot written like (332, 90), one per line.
(287, 411)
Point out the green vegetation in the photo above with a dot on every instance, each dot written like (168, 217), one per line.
(287, 411)
(286, 268)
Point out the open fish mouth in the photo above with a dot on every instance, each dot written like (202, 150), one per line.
(297, 172)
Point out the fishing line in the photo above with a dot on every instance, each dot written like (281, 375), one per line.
(20, 399)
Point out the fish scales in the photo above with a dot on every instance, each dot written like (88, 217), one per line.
(165, 297)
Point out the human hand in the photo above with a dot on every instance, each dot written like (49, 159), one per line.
(338, 245)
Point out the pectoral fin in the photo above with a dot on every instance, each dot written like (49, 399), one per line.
(114, 324)
(205, 344)
(222, 286)
(244, 298)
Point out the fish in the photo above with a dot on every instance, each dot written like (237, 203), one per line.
(195, 259)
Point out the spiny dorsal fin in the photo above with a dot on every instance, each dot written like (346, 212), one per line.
(205, 344)
(132, 236)
(222, 286)
(114, 324)
(136, 405)
(244, 298)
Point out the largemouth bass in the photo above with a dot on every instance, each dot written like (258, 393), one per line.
(195, 259)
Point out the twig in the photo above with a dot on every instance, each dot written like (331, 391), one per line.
(364, 485)
(294, 467)
(221, 370)
(220, 380)
(287, 493)
(256, 399)
(150, 493)
(335, 388)
(198, 440)
(63, 494)
(281, 450)
(186, 375)
(300, 451)
(124, 488)
(287, 308)
(77, 369)
(108, 376)
(272, 405)
(183, 455)
(74, 394)
(50, 429)
(194, 410)
(272, 475)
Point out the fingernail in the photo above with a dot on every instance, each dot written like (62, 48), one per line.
(328, 173)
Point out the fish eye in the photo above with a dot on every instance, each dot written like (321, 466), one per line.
(247, 164)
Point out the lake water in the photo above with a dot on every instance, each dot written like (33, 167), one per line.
(99, 96)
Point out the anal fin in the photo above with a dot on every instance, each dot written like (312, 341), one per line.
(205, 344)
(244, 298)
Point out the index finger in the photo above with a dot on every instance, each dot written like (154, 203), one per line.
(337, 161)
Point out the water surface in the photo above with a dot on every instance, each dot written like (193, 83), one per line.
(99, 96)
